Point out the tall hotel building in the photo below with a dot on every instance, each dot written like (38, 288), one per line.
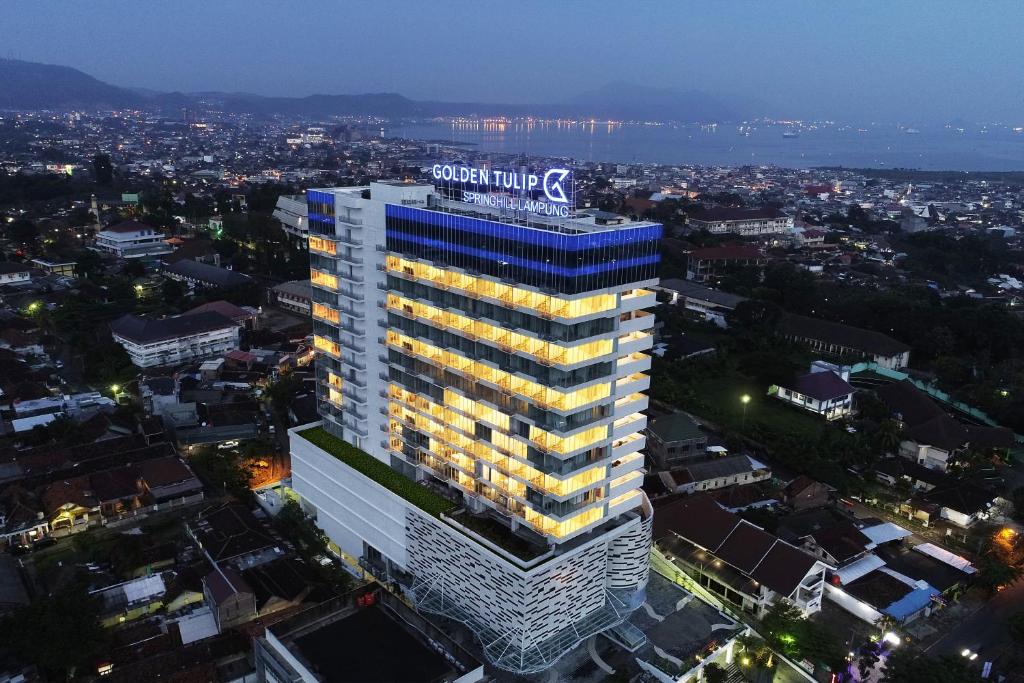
(481, 375)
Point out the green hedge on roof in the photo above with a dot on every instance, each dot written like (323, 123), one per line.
(366, 464)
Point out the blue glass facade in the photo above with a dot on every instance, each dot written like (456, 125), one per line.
(547, 259)
(320, 210)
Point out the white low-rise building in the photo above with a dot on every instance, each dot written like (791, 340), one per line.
(746, 222)
(169, 341)
(825, 390)
(15, 273)
(291, 211)
(132, 239)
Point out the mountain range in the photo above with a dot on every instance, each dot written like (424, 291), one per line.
(67, 88)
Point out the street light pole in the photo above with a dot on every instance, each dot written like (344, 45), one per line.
(744, 399)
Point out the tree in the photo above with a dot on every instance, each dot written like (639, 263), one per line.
(59, 634)
(906, 666)
(1016, 623)
(888, 436)
(713, 673)
(88, 263)
(869, 657)
(790, 633)
(172, 291)
(23, 231)
(134, 268)
(994, 571)
(280, 394)
(103, 169)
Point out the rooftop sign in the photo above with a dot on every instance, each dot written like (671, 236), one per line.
(546, 193)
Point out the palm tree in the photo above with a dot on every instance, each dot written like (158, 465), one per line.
(889, 436)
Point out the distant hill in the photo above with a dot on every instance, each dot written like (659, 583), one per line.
(380, 104)
(66, 87)
(29, 85)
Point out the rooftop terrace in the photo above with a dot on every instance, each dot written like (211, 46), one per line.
(367, 465)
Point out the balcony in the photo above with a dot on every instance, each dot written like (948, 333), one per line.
(641, 320)
(625, 483)
(637, 299)
(349, 258)
(625, 451)
(632, 384)
(629, 463)
(625, 502)
(627, 405)
(632, 364)
(634, 342)
(628, 425)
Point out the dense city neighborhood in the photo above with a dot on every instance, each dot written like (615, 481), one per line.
(823, 380)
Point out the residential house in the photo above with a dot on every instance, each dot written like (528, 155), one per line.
(931, 437)
(962, 503)
(673, 439)
(718, 473)
(231, 536)
(170, 479)
(232, 599)
(70, 505)
(804, 493)
(822, 391)
(22, 520)
(718, 553)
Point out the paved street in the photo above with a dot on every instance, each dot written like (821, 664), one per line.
(985, 628)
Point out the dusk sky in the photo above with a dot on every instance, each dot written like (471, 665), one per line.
(925, 61)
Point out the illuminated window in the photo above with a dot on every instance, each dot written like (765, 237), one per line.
(327, 346)
(506, 294)
(625, 498)
(322, 245)
(323, 279)
(325, 313)
(452, 440)
(558, 529)
(567, 444)
(504, 338)
(539, 394)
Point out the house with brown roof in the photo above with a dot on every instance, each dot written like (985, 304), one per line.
(170, 478)
(70, 505)
(246, 317)
(729, 560)
(931, 437)
(231, 598)
(22, 520)
(804, 493)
